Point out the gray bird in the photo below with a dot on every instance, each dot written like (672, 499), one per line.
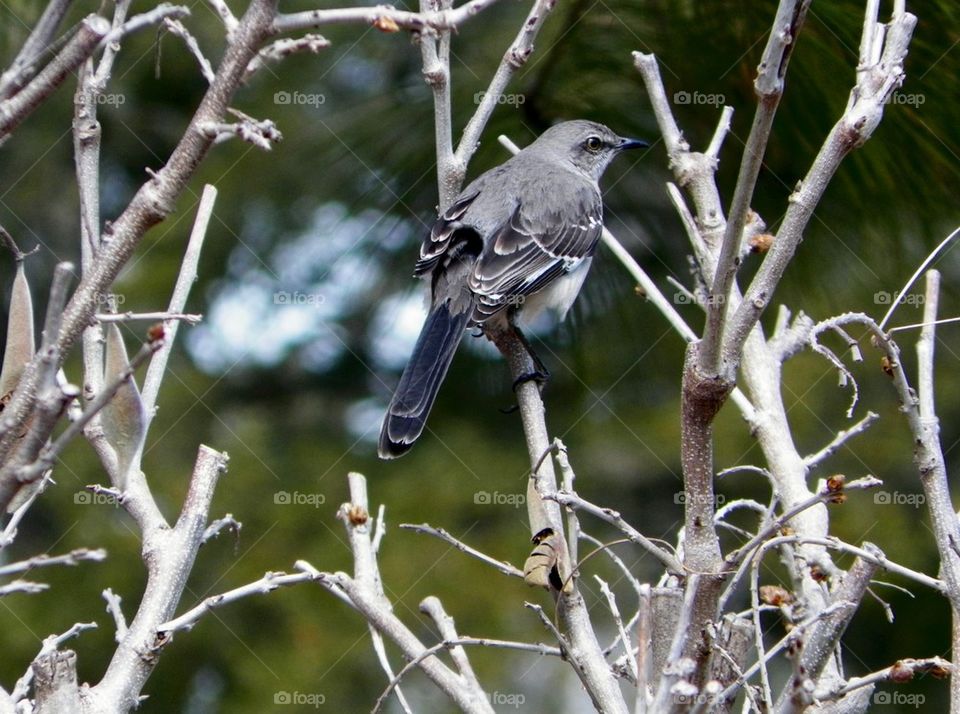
(518, 239)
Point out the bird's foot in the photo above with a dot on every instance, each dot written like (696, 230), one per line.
(540, 376)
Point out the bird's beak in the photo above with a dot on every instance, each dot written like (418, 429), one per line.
(632, 144)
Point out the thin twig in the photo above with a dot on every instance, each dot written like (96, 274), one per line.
(618, 621)
(383, 17)
(175, 27)
(612, 517)
(501, 565)
(178, 300)
(74, 557)
(267, 584)
(894, 304)
(535, 648)
(825, 495)
(115, 609)
(37, 45)
(842, 437)
(83, 44)
(190, 319)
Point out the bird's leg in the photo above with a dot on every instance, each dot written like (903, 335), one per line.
(540, 373)
(502, 333)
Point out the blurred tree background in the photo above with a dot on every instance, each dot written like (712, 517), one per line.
(294, 388)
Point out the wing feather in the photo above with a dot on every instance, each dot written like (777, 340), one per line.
(532, 250)
(438, 242)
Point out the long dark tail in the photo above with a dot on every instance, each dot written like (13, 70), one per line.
(411, 403)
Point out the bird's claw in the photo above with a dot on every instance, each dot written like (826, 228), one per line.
(538, 376)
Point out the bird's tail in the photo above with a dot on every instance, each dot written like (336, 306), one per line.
(411, 403)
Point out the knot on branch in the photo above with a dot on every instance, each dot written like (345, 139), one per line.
(518, 57)
(703, 394)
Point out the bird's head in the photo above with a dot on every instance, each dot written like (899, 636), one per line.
(589, 146)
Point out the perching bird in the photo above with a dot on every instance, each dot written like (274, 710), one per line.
(518, 239)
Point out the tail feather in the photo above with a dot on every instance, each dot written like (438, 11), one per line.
(421, 380)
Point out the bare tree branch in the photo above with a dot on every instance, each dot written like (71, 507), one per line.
(501, 565)
(383, 17)
(879, 77)
(842, 437)
(364, 592)
(175, 27)
(769, 86)
(18, 107)
(267, 584)
(74, 557)
(172, 552)
(26, 63)
(153, 202)
(515, 57)
(573, 500)
(539, 649)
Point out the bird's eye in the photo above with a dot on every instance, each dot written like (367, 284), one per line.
(593, 144)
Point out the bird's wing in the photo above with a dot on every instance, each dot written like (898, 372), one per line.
(439, 241)
(533, 248)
